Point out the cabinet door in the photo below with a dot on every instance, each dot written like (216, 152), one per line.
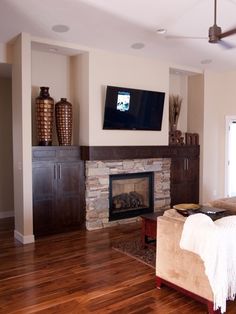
(178, 170)
(44, 178)
(184, 169)
(184, 180)
(185, 192)
(69, 209)
(192, 169)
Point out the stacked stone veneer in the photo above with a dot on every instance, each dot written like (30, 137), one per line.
(97, 187)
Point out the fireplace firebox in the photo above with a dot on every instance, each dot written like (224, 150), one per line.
(130, 195)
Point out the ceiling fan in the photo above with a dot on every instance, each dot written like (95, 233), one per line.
(215, 34)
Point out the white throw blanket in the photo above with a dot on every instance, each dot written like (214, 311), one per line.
(215, 243)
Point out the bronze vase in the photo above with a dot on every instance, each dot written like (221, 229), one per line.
(63, 112)
(44, 117)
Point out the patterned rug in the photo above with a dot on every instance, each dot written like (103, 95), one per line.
(133, 248)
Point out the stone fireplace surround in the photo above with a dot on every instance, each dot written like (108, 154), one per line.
(97, 187)
(100, 162)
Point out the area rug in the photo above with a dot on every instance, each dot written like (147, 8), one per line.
(133, 248)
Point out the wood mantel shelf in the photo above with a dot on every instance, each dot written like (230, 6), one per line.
(137, 152)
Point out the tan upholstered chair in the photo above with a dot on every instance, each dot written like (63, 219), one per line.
(179, 268)
(228, 203)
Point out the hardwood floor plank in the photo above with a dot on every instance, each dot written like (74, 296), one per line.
(79, 272)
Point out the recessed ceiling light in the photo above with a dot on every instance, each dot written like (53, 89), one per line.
(206, 61)
(137, 46)
(59, 28)
(161, 31)
(53, 49)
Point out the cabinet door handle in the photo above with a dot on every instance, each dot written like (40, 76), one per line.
(184, 164)
(187, 164)
(55, 172)
(59, 177)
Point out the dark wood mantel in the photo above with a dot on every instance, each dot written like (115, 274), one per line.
(136, 152)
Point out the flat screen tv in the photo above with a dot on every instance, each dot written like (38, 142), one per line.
(133, 109)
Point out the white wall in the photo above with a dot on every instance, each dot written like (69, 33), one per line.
(179, 86)
(6, 156)
(126, 71)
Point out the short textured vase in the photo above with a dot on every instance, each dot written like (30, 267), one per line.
(44, 117)
(63, 110)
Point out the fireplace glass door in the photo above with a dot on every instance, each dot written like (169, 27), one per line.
(130, 195)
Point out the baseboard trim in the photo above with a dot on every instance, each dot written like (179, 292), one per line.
(6, 214)
(24, 239)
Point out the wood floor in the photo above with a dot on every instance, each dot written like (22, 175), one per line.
(79, 272)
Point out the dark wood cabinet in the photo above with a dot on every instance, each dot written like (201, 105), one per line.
(58, 189)
(184, 183)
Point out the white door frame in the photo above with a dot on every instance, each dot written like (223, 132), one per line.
(228, 121)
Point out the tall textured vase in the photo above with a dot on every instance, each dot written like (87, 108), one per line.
(175, 102)
(63, 110)
(44, 117)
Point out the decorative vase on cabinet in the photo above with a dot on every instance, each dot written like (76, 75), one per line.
(63, 110)
(44, 117)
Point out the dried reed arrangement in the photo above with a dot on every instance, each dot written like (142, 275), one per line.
(175, 102)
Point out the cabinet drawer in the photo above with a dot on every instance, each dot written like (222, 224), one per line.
(56, 153)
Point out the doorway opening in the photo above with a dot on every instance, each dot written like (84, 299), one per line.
(230, 157)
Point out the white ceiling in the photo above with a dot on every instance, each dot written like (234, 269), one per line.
(116, 24)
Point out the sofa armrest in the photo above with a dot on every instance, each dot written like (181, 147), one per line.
(180, 267)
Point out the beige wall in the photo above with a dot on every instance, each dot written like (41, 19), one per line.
(6, 156)
(179, 86)
(84, 78)
(219, 101)
(52, 70)
(126, 71)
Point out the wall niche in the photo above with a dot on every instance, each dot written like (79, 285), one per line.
(60, 69)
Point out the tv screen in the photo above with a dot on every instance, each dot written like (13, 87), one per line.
(133, 109)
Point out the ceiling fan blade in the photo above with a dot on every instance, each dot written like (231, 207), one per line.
(215, 34)
(184, 37)
(224, 44)
(228, 33)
